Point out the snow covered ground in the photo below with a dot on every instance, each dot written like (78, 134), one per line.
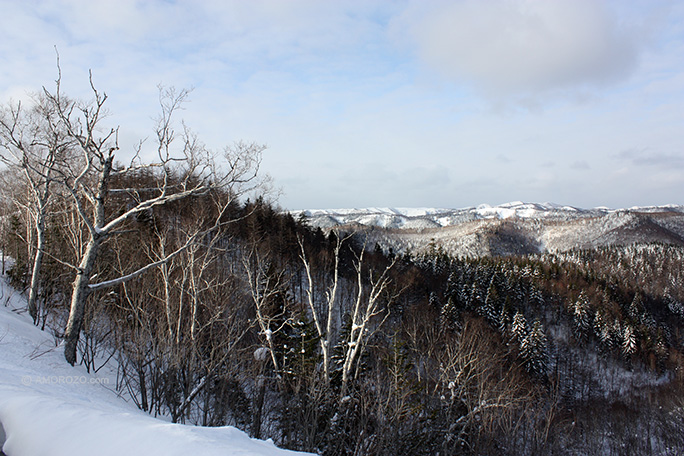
(50, 408)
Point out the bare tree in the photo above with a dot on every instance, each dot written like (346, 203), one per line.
(179, 345)
(368, 305)
(34, 144)
(370, 291)
(481, 390)
(184, 172)
(324, 315)
(266, 282)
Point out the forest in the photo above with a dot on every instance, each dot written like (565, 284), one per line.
(218, 308)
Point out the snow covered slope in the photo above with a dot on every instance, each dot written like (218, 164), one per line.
(50, 408)
(407, 218)
(511, 228)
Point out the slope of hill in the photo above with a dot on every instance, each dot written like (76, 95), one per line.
(512, 228)
(49, 407)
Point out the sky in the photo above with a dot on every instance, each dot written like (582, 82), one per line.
(388, 103)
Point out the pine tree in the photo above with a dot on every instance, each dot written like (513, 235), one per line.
(629, 344)
(450, 314)
(462, 296)
(581, 318)
(475, 300)
(602, 330)
(536, 296)
(636, 310)
(519, 328)
(533, 350)
(489, 308)
(505, 315)
(300, 346)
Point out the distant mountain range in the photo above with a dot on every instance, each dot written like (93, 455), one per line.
(507, 229)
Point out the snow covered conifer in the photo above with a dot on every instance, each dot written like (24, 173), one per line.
(629, 344)
(533, 350)
(450, 314)
(602, 330)
(581, 317)
(491, 304)
(519, 328)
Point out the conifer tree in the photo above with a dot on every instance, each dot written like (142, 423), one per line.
(629, 344)
(533, 350)
(581, 318)
(489, 309)
(519, 328)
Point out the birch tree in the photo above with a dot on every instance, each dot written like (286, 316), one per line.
(181, 172)
(266, 283)
(324, 315)
(370, 296)
(372, 291)
(33, 145)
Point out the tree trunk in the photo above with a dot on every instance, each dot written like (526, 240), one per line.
(143, 389)
(258, 406)
(78, 299)
(35, 274)
(81, 289)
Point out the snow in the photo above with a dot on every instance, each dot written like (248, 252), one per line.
(426, 218)
(49, 407)
(530, 227)
(262, 354)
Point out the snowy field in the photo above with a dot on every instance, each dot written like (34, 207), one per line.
(50, 408)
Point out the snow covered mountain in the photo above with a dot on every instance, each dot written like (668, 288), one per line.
(511, 228)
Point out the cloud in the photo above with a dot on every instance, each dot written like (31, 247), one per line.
(519, 47)
(645, 157)
(580, 165)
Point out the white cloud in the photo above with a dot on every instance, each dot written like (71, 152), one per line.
(525, 46)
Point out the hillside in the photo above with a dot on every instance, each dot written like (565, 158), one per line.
(49, 407)
(509, 229)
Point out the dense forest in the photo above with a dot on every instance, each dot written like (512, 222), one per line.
(220, 309)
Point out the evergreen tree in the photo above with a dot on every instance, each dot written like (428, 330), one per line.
(475, 300)
(300, 346)
(533, 350)
(602, 330)
(489, 308)
(581, 318)
(505, 315)
(519, 328)
(629, 343)
(450, 314)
